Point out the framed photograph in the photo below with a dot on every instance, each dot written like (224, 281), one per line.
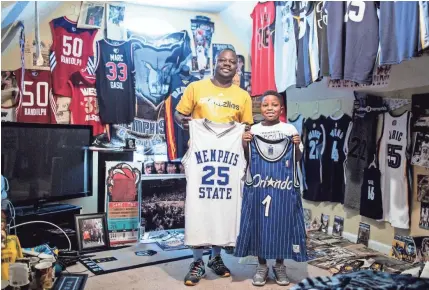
(115, 21)
(70, 281)
(91, 230)
(91, 15)
(338, 227)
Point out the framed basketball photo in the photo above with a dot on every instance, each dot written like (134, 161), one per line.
(91, 231)
(91, 15)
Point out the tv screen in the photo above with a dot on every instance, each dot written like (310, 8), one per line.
(45, 163)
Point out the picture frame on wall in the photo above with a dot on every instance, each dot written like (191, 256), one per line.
(91, 230)
(91, 14)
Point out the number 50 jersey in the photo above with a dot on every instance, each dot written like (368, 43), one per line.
(214, 167)
(115, 82)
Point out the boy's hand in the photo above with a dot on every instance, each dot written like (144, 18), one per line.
(247, 136)
(296, 139)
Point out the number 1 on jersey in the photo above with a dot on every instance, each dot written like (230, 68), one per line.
(267, 203)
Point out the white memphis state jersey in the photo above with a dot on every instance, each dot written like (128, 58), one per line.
(394, 145)
(214, 166)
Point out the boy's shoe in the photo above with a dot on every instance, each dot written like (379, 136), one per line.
(261, 276)
(196, 272)
(217, 265)
(280, 275)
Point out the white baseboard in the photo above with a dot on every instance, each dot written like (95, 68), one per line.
(382, 248)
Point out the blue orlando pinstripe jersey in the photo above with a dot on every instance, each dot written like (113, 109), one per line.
(272, 220)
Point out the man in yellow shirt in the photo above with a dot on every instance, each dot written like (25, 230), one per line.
(218, 100)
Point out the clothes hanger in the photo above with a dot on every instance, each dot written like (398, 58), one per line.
(338, 109)
(296, 114)
(315, 112)
(373, 163)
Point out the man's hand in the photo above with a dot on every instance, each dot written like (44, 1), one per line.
(182, 120)
(296, 139)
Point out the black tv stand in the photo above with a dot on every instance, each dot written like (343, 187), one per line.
(35, 234)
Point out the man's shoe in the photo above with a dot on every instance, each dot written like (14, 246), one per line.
(261, 276)
(280, 275)
(196, 272)
(217, 265)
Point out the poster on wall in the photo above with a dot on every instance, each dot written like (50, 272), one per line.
(115, 21)
(202, 31)
(420, 155)
(156, 60)
(423, 188)
(380, 79)
(424, 216)
(30, 53)
(123, 201)
(91, 15)
(420, 110)
(161, 167)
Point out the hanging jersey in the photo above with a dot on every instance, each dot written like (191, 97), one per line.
(423, 25)
(314, 147)
(35, 100)
(262, 51)
(214, 167)
(71, 51)
(322, 37)
(284, 46)
(115, 82)
(84, 103)
(352, 40)
(393, 160)
(298, 123)
(177, 138)
(337, 130)
(371, 205)
(272, 219)
(307, 70)
(399, 30)
(8, 114)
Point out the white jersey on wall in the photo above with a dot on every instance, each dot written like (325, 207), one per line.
(393, 155)
(284, 47)
(214, 167)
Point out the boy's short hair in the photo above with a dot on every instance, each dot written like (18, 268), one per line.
(273, 93)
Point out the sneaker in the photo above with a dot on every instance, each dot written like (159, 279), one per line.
(280, 275)
(196, 272)
(261, 276)
(217, 265)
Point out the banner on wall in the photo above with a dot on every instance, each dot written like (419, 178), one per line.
(202, 31)
(156, 60)
(123, 201)
(380, 79)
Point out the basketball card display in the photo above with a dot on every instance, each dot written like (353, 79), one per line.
(262, 51)
(284, 46)
(35, 101)
(399, 31)
(115, 82)
(371, 205)
(214, 167)
(307, 69)
(325, 223)
(314, 147)
(272, 220)
(84, 103)
(177, 138)
(338, 227)
(404, 249)
(337, 128)
(363, 234)
(352, 34)
(71, 51)
(392, 159)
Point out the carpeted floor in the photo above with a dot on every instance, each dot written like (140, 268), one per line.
(169, 276)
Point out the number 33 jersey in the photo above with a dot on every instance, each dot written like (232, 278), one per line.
(115, 82)
(214, 167)
(393, 160)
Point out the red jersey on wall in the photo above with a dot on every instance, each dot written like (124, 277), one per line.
(35, 100)
(262, 51)
(84, 104)
(71, 50)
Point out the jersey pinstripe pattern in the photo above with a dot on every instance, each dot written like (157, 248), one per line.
(272, 221)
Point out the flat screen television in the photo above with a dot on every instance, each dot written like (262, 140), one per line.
(46, 162)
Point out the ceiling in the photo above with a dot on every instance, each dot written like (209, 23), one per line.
(200, 6)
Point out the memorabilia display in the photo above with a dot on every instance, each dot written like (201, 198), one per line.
(115, 21)
(403, 248)
(338, 227)
(422, 248)
(123, 201)
(175, 240)
(70, 281)
(423, 188)
(424, 215)
(325, 223)
(420, 155)
(420, 110)
(91, 15)
(363, 234)
(202, 31)
(307, 218)
(91, 231)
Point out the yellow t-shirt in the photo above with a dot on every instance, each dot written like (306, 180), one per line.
(202, 99)
(9, 255)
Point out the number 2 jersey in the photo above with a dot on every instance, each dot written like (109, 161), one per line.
(71, 51)
(115, 82)
(35, 102)
(214, 167)
(393, 160)
(84, 103)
